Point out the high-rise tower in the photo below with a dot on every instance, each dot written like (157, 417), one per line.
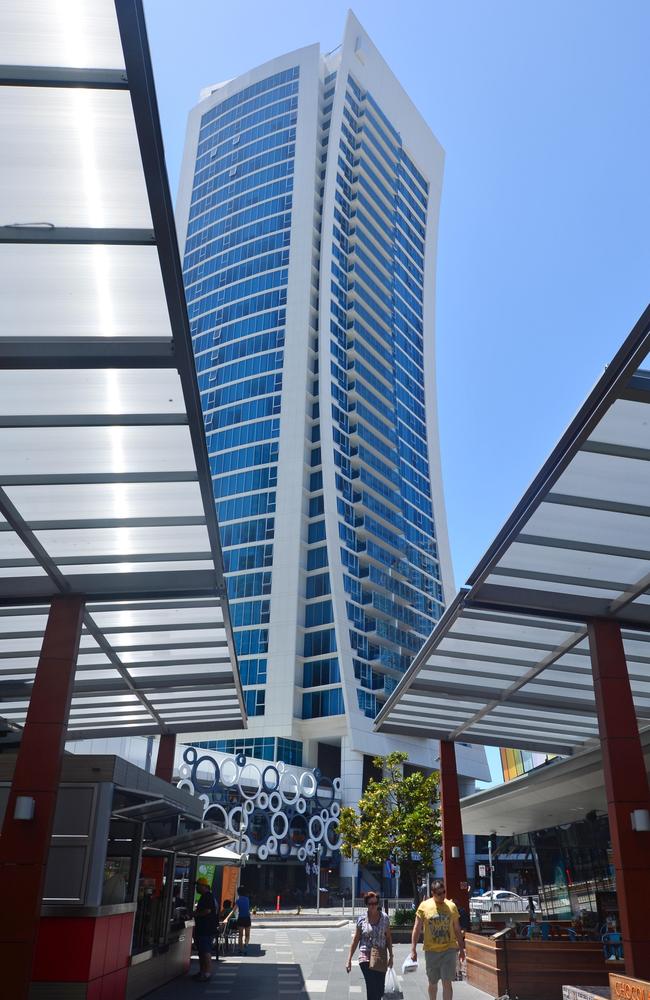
(308, 216)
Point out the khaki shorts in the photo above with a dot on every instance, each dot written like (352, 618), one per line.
(441, 965)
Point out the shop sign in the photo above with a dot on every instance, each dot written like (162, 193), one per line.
(626, 988)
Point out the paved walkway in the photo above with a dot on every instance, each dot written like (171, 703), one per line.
(298, 964)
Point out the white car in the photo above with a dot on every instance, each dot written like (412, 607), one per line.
(495, 901)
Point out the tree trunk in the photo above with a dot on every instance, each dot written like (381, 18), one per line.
(413, 876)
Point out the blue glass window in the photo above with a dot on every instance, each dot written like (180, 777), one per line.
(318, 643)
(251, 557)
(255, 702)
(289, 751)
(252, 671)
(318, 614)
(319, 585)
(317, 673)
(318, 704)
(248, 585)
(316, 532)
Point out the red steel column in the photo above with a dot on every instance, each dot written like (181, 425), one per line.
(452, 827)
(626, 785)
(165, 758)
(25, 844)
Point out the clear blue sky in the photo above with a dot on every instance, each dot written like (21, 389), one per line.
(543, 257)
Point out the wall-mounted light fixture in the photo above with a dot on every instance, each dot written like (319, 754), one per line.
(640, 819)
(455, 852)
(24, 807)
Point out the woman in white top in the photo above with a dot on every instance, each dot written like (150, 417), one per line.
(373, 937)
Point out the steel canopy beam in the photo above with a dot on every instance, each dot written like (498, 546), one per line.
(58, 76)
(180, 584)
(86, 352)
(80, 524)
(83, 236)
(96, 420)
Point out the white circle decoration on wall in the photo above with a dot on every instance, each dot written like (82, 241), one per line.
(288, 787)
(336, 784)
(301, 806)
(205, 773)
(332, 837)
(302, 854)
(324, 792)
(237, 817)
(308, 784)
(279, 825)
(272, 845)
(316, 828)
(245, 844)
(324, 815)
(229, 772)
(335, 809)
(270, 778)
(262, 852)
(275, 802)
(250, 781)
(249, 807)
(216, 814)
(186, 783)
(262, 801)
(281, 766)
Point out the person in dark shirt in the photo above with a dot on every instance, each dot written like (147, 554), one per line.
(205, 928)
(243, 920)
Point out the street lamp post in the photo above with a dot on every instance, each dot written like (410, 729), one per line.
(491, 873)
(318, 850)
(242, 828)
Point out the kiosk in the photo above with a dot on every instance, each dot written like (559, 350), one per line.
(111, 918)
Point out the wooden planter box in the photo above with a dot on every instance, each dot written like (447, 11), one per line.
(402, 935)
(535, 970)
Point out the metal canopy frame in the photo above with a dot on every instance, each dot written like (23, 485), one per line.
(508, 663)
(195, 842)
(105, 484)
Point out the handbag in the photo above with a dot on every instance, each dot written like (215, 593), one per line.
(378, 959)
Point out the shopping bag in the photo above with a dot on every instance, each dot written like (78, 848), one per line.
(409, 965)
(391, 987)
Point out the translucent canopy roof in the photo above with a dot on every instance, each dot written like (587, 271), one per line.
(105, 487)
(508, 664)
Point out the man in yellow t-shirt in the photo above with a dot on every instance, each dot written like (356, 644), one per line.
(443, 940)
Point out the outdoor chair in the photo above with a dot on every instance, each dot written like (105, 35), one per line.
(612, 945)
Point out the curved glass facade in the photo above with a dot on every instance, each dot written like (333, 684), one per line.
(235, 271)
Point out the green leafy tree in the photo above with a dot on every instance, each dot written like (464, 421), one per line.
(397, 817)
